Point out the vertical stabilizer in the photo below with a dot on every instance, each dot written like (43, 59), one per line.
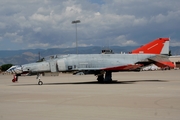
(158, 46)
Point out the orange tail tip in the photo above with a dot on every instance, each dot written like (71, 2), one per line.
(158, 46)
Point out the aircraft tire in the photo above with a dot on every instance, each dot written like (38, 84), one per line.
(100, 78)
(40, 83)
(13, 80)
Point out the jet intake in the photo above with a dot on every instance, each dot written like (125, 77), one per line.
(61, 65)
(53, 66)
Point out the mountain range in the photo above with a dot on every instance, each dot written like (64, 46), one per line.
(32, 55)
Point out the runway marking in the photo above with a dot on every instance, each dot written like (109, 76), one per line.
(27, 101)
(168, 103)
(33, 101)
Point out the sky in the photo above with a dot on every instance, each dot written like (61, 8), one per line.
(30, 24)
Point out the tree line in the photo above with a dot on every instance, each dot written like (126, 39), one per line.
(5, 67)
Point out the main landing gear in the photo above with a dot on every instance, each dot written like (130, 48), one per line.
(107, 79)
(38, 77)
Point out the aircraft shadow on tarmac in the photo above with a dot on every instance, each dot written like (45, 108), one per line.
(94, 82)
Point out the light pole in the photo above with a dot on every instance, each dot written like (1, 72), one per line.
(75, 22)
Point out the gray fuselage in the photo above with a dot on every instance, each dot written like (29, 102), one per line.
(78, 62)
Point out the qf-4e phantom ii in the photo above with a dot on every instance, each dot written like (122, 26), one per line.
(100, 65)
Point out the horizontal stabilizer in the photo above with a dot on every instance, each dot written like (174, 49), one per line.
(162, 61)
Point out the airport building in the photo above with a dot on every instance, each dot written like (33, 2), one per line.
(175, 60)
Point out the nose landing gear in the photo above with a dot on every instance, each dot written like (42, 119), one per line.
(38, 77)
(15, 78)
(40, 83)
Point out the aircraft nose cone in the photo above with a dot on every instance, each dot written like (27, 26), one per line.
(15, 69)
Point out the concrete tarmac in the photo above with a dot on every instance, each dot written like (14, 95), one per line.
(150, 95)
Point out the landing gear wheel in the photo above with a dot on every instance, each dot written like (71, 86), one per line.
(13, 80)
(100, 78)
(40, 83)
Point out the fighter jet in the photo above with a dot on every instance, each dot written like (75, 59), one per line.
(100, 65)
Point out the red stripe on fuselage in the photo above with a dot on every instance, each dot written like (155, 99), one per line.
(123, 68)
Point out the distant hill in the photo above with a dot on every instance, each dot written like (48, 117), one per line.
(11, 53)
(23, 58)
(32, 55)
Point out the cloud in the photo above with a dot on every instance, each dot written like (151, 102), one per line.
(123, 41)
(171, 15)
(123, 22)
(0, 38)
(14, 37)
(2, 25)
(37, 45)
(174, 42)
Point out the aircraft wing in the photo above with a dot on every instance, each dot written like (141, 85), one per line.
(129, 67)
